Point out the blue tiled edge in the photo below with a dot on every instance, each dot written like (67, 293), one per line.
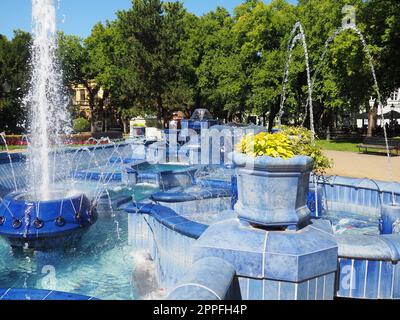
(35, 295)
(169, 219)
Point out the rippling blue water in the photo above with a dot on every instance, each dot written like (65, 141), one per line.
(100, 265)
(351, 223)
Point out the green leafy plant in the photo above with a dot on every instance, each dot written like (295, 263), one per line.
(290, 142)
(81, 125)
(265, 144)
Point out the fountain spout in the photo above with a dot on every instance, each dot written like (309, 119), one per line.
(48, 112)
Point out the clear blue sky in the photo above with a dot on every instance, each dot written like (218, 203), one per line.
(78, 16)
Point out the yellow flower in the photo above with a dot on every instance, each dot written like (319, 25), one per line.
(286, 144)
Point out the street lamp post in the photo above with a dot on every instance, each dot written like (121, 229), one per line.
(392, 126)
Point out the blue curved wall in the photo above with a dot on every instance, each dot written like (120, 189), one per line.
(375, 275)
(369, 265)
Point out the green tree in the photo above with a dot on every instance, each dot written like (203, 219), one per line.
(214, 41)
(155, 37)
(262, 34)
(381, 25)
(14, 80)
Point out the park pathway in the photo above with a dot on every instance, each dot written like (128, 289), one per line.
(363, 165)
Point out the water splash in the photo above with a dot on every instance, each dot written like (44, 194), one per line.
(48, 108)
(3, 138)
(357, 31)
(297, 34)
(144, 277)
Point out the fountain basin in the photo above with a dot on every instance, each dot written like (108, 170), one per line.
(169, 229)
(165, 176)
(45, 225)
(368, 260)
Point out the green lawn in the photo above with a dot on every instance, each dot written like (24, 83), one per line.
(347, 146)
(338, 145)
(14, 148)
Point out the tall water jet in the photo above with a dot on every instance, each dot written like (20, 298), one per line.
(351, 26)
(48, 110)
(44, 218)
(297, 34)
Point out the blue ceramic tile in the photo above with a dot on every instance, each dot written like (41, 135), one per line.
(2, 292)
(271, 290)
(23, 295)
(372, 279)
(302, 291)
(318, 263)
(396, 288)
(244, 288)
(281, 267)
(255, 289)
(191, 229)
(287, 291)
(345, 277)
(385, 291)
(312, 289)
(358, 279)
(320, 288)
(330, 286)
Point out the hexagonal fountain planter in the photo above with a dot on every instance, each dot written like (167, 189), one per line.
(273, 191)
(45, 225)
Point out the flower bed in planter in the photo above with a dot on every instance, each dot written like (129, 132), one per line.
(273, 176)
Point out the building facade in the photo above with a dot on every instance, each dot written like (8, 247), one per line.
(391, 105)
(391, 111)
(105, 120)
(80, 100)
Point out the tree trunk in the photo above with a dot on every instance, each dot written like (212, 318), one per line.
(92, 105)
(102, 110)
(125, 123)
(92, 113)
(372, 119)
(272, 115)
(163, 112)
(105, 120)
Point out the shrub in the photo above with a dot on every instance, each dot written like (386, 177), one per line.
(14, 140)
(139, 125)
(291, 141)
(266, 144)
(81, 125)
